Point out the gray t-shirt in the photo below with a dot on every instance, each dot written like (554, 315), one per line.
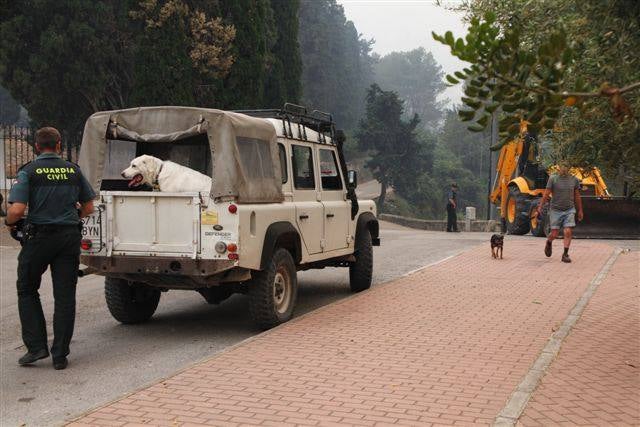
(562, 190)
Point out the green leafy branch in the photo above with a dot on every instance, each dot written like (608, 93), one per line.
(521, 84)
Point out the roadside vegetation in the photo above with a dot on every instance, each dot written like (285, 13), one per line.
(242, 54)
(568, 67)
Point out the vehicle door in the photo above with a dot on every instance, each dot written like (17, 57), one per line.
(309, 209)
(337, 210)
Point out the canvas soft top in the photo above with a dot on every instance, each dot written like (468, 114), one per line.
(243, 148)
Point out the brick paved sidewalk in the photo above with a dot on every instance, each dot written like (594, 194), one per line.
(595, 379)
(445, 345)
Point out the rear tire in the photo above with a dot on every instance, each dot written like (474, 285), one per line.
(517, 215)
(361, 271)
(273, 291)
(130, 303)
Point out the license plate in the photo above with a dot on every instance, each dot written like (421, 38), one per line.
(92, 226)
(92, 230)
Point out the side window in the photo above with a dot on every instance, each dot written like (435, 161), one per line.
(303, 176)
(255, 156)
(282, 152)
(329, 171)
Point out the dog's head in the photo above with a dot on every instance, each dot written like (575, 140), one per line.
(142, 170)
(497, 238)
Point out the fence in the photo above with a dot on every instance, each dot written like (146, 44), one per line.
(18, 149)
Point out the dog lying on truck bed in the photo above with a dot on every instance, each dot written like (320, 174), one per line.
(165, 175)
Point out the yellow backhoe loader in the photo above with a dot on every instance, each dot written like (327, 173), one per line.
(520, 182)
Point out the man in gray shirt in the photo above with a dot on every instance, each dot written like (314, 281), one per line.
(565, 191)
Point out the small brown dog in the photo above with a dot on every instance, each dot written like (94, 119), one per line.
(497, 242)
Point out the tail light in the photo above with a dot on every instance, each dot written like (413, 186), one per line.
(232, 247)
(233, 256)
(233, 208)
(85, 244)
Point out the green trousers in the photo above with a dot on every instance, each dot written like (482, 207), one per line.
(59, 250)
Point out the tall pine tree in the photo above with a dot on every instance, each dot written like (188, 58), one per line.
(393, 144)
(337, 66)
(283, 81)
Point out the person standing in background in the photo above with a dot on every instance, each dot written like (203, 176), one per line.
(452, 204)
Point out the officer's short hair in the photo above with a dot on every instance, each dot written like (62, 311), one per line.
(47, 137)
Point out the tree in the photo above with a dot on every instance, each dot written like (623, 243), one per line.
(462, 156)
(453, 154)
(566, 66)
(337, 66)
(9, 108)
(417, 78)
(63, 60)
(283, 82)
(244, 86)
(470, 147)
(175, 47)
(416, 183)
(392, 143)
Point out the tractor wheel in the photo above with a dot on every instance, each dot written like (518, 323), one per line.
(538, 223)
(517, 215)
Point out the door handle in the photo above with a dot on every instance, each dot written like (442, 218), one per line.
(330, 215)
(304, 216)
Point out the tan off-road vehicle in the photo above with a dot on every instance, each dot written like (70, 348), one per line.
(281, 201)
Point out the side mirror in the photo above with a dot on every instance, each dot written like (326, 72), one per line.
(352, 179)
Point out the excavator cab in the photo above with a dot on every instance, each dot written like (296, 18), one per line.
(528, 165)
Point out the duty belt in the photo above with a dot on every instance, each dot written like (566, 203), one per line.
(52, 228)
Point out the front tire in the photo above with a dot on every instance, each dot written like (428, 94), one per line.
(361, 271)
(130, 303)
(273, 291)
(517, 215)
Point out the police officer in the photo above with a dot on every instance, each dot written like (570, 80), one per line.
(452, 204)
(53, 189)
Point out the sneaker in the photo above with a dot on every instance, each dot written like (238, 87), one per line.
(565, 258)
(547, 249)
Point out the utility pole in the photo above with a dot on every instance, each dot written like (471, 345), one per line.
(492, 141)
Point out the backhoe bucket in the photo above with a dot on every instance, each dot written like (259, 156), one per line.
(610, 218)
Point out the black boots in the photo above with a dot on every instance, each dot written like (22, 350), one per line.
(30, 358)
(60, 363)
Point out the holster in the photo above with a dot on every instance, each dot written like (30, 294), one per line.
(19, 231)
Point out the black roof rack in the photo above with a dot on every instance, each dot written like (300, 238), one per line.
(317, 120)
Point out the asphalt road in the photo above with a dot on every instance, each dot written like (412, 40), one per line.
(109, 360)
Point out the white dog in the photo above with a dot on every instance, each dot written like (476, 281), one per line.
(165, 175)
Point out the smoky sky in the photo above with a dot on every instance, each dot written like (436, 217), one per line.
(401, 25)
